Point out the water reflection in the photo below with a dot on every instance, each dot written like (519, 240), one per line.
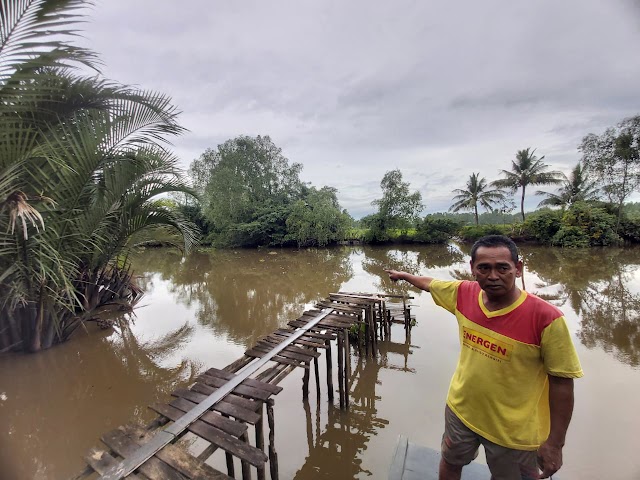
(204, 308)
(247, 294)
(56, 403)
(408, 259)
(336, 448)
(600, 289)
(601, 286)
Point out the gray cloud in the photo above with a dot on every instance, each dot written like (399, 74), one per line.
(354, 89)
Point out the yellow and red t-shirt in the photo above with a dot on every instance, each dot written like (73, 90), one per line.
(500, 388)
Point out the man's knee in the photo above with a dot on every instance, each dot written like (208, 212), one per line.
(448, 471)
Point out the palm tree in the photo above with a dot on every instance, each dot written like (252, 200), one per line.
(475, 193)
(527, 169)
(575, 188)
(81, 161)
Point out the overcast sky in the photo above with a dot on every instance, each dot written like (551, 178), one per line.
(352, 89)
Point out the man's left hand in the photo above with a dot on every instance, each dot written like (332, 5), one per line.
(549, 458)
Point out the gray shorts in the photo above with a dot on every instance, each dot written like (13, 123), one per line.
(460, 446)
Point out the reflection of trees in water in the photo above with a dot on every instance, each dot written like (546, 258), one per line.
(249, 293)
(408, 259)
(596, 284)
(141, 359)
(335, 450)
(104, 381)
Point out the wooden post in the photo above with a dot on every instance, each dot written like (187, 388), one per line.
(367, 332)
(316, 368)
(340, 370)
(231, 470)
(260, 439)
(329, 370)
(273, 456)
(347, 367)
(246, 468)
(305, 382)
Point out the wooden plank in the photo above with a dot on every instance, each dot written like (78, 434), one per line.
(357, 296)
(101, 461)
(276, 358)
(222, 406)
(291, 348)
(124, 446)
(246, 403)
(230, 444)
(313, 343)
(181, 461)
(215, 419)
(341, 307)
(323, 336)
(241, 389)
(286, 353)
(251, 382)
(167, 435)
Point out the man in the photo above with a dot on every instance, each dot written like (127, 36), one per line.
(512, 390)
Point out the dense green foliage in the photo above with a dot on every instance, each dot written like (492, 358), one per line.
(543, 225)
(433, 229)
(614, 159)
(586, 225)
(398, 207)
(81, 163)
(252, 196)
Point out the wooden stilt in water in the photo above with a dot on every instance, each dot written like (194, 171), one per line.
(305, 383)
(316, 368)
(329, 370)
(246, 468)
(273, 456)
(341, 370)
(347, 367)
(260, 439)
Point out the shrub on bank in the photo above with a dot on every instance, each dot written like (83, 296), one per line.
(543, 225)
(436, 230)
(471, 233)
(584, 225)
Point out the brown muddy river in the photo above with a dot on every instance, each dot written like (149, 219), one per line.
(205, 310)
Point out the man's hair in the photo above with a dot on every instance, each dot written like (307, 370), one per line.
(493, 241)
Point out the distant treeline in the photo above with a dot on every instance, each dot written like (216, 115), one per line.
(251, 196)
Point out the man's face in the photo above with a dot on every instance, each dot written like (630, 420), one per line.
(495, 271)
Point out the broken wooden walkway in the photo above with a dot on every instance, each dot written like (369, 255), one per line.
(225, 409)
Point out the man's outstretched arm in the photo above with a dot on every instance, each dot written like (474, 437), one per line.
(422, 283)
(561, 409)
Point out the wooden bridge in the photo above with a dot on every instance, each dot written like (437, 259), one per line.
(225, 408)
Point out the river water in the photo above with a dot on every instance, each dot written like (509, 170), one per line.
(206, 309)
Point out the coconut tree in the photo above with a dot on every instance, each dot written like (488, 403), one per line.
(81, 163)
(527, 169)
(575, 188)
(476, 193)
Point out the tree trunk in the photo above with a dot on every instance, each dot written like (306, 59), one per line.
(522, 204)
(475, 210)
